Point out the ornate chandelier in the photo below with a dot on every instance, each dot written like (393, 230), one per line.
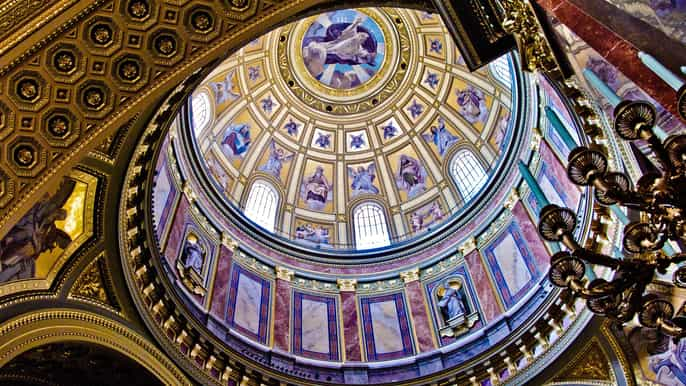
(660, 199)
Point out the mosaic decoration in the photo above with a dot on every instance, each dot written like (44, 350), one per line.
(343, 49)
(379, 131)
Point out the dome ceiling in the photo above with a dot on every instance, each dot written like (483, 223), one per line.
(352, 107)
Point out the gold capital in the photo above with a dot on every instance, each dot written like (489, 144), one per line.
(284, 274)
(410, 276)
(347, 284)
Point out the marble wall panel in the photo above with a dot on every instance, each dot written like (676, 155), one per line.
(282, 315)
(351, 323)
(248, 304)
(164, 196)
(315, 327)
(421, 321)
(386, 327)
(220, 290)
(553, 180)
(512, 264)
(533, 239)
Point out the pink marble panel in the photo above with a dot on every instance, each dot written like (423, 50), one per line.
(176, 233)
(220, 291)
(533, 239)
(282, 316)
(420, 318)
(483, 286)
(351, 335)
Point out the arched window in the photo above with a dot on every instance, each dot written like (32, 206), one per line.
(371, 230)
(200, 110)
(500, 68)
(262, 204)
(467, 173)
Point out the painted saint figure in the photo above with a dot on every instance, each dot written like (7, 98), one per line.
(236, 139)
(441, 137)
(342, 43)
(411, 176)
(452, 302)
(226, 90)
(472, 104)
(309, 233)
(363, 179)
(34, 234)
(316, 190)
(277, 157)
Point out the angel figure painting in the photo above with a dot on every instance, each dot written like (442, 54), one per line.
(34, 234)
(227, 89)
(236, 140)
(277, 157)
(426, 216)
(440, 137)
(315, 234)
(362, 179)
(472, 104)
(316, 190)
(343, 49)
(411, 176)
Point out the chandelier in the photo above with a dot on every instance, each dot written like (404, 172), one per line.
(659, 198)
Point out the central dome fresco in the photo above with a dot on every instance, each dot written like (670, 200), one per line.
(353, 129)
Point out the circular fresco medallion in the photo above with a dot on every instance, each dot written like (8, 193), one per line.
(343, 49)
(347, 61)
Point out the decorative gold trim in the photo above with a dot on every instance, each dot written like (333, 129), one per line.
(347, 285)
(43, 327)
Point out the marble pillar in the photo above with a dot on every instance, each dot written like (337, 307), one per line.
(282, 309)
(419, 311)
(220, 290)
(351, 333)
(614, 48)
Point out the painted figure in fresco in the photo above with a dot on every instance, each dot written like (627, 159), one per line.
(277, 157)
(472, 104)
(356, 141)
(236, 139)
(452, 302)
(417, 221)
(411, 176)
(363, 179)
(342, 43)
(666, 359)
(316, 190)
(225, 90)
(218, 172)
(323, 140)
(435, 212)
(34, 234)
(389, 131)
(193, 256)
(501, 130)
(441, 137)
(317, 235)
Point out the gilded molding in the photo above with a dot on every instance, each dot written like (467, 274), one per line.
(284, 274)
(347, 285)
(410, 276)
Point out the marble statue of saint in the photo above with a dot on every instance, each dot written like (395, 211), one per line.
(193, 255)
(451, 303)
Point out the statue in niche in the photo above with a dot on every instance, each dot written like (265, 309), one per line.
(190, 263)
(456, 315)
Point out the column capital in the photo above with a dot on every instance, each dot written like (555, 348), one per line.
(512, 199)
(467, 246)
(229, 242)
(284, 273)
(348, 285)
(410, 276)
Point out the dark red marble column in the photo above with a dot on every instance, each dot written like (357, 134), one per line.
(221, 283)
(282, 309)
(418, 310)
(351, 335)
(616, 50)
(482, 284)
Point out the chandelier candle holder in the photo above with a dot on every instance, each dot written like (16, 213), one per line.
(659, 197)
(678, 84)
